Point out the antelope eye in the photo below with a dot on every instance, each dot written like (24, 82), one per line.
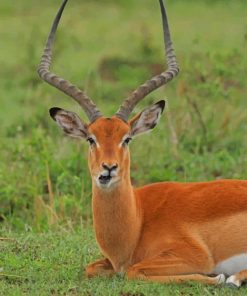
(126, 141)
(91, 141)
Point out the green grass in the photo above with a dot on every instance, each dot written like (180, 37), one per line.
(108, 48)
(52, 264)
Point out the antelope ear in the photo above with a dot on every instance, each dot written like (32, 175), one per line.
(69, 122)
(147, 119)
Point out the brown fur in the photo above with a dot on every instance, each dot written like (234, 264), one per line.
(161, 232)
(165, 231)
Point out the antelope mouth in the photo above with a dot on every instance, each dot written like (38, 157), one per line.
(107, 181)
(104, 180)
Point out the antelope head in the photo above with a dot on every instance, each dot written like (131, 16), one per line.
(108, 138)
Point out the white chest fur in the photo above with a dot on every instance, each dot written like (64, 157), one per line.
(232, 265)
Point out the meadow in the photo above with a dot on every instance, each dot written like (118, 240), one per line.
(108, 48)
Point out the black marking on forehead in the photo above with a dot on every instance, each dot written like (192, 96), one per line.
(108, 118)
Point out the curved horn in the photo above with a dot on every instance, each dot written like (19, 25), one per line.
(65, 86)
(158, 80)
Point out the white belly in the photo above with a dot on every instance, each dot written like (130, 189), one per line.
(232, 265)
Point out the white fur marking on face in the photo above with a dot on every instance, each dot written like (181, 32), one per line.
(232, 265)
(105, 173)
(124, 138)
(95, 140)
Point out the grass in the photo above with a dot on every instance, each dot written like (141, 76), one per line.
(44, 182)
(52, 264)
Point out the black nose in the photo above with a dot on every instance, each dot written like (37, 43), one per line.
(109, 167)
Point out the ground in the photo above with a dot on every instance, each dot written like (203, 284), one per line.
(53, 264)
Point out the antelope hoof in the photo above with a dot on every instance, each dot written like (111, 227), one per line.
(232, 282)
(221, 279)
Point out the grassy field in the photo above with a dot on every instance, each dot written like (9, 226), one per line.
(52, 264)
(108, 48)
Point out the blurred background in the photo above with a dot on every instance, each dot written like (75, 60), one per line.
(108, 48)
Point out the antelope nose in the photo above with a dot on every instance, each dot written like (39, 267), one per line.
(109, 167)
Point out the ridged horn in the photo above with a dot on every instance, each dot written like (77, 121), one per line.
(64, 85)
(157, 81)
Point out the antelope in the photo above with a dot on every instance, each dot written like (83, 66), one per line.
(162, 232)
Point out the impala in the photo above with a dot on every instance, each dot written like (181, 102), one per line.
(163, 232)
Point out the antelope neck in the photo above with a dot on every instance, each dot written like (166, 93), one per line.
(112, 201)
(117, 224)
